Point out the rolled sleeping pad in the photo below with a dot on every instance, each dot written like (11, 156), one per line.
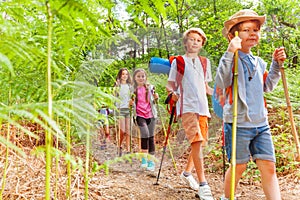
(217, 107)
(159, 65)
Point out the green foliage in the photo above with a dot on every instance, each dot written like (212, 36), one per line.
(91, 42)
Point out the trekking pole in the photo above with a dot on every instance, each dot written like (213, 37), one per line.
(166, 140)
(118, 138)
(165, 133)
(223, 151)
(130, 127)
(130, 124)
(234, 123)
(116, 128)
(289, 107)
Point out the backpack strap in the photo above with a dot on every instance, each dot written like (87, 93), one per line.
(180, 70)
(264, 79)
(203, 61)
(179, 76)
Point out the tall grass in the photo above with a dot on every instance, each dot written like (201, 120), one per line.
(41, 40)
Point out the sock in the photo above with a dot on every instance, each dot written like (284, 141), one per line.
(186, 174)
(202, 184)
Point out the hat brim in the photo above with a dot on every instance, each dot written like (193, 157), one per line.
(230, 23)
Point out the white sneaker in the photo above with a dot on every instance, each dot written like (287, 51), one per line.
(190, 180)
(224, 198)
(205, 193)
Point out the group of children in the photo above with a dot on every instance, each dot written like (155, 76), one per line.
(253, 136)
(136, 98)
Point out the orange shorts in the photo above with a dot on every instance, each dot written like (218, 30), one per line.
(195, 127)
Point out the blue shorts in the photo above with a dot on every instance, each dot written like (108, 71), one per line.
(255, 143)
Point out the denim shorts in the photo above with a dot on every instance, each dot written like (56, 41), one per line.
(255, 143)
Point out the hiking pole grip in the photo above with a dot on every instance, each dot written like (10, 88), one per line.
(290, 111)
(234, 123)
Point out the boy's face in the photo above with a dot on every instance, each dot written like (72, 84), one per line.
(193, 43)
(249, 32)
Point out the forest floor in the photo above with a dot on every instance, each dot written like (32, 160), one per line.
(127, 180)
(124, 179)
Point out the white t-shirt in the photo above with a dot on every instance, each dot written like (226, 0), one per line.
(193, 83)
(124, 96)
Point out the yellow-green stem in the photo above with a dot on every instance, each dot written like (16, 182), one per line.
(7, 140)
(6, 162)
(56, 163)
(68, 161)
(87, 160)
(48, 131)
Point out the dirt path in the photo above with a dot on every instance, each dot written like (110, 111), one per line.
(127, 180)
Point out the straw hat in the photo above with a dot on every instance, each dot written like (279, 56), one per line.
(198, 30)
(241, 16)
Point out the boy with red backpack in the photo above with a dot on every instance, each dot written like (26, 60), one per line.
(188, 82)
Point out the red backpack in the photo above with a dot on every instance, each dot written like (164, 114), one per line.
(180, 73)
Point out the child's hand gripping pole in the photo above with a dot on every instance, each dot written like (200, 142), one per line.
(234, 123)
(289, 107)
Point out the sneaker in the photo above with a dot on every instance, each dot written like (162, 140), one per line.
(224, 198)
(205, 193)
(144, 163)
(151, 166)
(190, 181)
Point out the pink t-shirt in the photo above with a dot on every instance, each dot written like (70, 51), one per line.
(143, 107)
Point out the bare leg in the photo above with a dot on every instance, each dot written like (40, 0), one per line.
(269, 179)
(190, 164)
(122, 130)
(198, 160)
(240, 168)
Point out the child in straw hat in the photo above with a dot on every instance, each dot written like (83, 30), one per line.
(253, 136)
(193, 105)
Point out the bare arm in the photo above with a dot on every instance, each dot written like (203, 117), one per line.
(209, 90)
(170, 89)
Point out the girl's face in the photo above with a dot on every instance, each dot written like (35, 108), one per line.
(124, 76)
(249, 32)
(193, 43)
(140, 78)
